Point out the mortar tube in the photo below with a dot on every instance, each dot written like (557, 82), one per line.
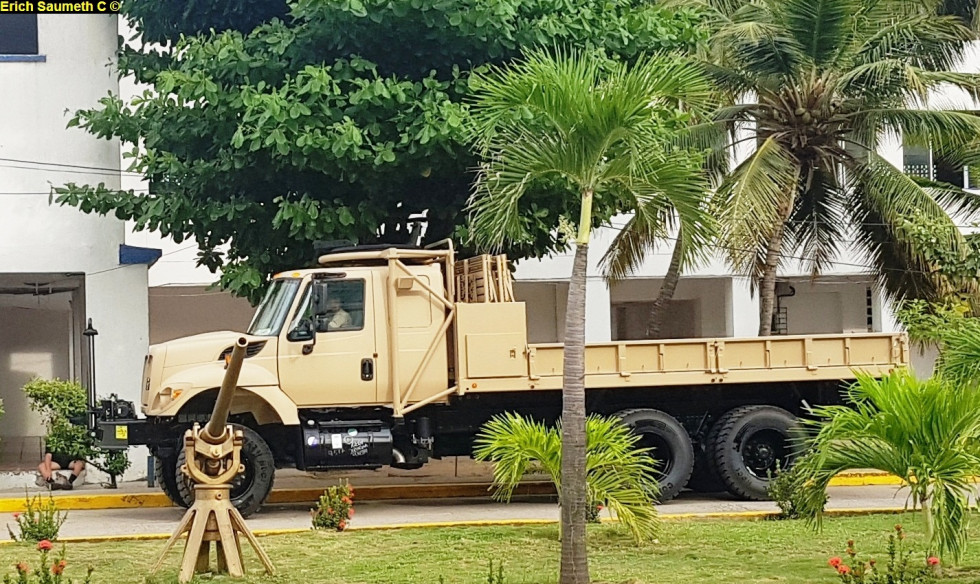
(214, 432)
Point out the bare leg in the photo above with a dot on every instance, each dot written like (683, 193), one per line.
(47, 467)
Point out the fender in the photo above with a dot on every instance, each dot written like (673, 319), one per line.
(258, 392)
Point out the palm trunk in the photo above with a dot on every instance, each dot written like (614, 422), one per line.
(574, 559)
(767, 285)
(657, 313)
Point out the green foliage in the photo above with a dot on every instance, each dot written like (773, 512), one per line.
(63, 406)
(899, 569)
(48, 570)
(828, 80)
(786, 490)
(933, 322)
(335, 508)
(617, 472)
(313, 127)
(59, 402)
(603, 128)
(41, 520)
(924, 432)
(959, 359)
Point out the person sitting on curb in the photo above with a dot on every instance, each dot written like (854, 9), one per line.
(54, 462)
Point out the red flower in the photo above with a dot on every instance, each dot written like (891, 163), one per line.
(342, 526)
(62, 563)
(834, 561)
(599, 507)
(843, 569)
(16, 515)
(44, 545)
(345, 500)
(350, 512)
(22, 568)
(932, 560)
(57, 569)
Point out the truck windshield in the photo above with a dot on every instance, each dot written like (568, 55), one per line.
(271, 314)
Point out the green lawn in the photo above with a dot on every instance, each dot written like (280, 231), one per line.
(713, 551)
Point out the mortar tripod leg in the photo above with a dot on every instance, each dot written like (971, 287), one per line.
(192, 549)
(228, 548)
(238, 522)
(183, 526)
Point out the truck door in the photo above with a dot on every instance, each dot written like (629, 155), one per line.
(327, 355)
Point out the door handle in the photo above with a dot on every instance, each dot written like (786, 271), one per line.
(367, 369)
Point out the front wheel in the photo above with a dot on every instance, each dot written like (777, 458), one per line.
(250, 488)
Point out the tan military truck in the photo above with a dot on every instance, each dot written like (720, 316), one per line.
(394, 356)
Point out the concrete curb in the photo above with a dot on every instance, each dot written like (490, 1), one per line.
(712, 515)
(364, 493)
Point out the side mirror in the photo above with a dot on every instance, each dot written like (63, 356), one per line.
(304, 331)
(319, 299)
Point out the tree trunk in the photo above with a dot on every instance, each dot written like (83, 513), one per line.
(656, 318)
(767, 285)
(574, 558)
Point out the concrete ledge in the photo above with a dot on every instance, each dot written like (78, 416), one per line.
(108, 500)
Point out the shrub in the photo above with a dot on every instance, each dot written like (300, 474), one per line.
(48, 571)
(786, 490)
(63, 405)
(40, 520)
(618, 474)
(900, 569)
(335, 508)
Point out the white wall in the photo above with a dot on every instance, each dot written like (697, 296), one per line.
(712, 294)
(39, 98)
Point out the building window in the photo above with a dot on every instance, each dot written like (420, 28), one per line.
(921, 161)
(18, 34)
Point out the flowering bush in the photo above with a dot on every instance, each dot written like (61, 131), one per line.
(49, 571)
(335, 508)
(40, 520)
(898, 570)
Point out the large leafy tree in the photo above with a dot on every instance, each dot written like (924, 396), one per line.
(814, 86)
(340, 119)
(603, 132)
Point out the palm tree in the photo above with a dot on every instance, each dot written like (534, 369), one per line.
(816, 85)
(924, 432)
(603, 129)
(618, 473)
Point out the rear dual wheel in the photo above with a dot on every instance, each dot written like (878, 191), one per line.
(747, 446)
(669, 444)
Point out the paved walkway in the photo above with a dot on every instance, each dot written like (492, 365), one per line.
(160, 521)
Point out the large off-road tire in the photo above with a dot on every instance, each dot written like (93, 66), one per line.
(165, 469)
(250, 488)
(749, 444)
(670, 447)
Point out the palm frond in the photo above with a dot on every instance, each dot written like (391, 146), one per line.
(922, 431)
(959, 359)
(750, 200)
(820, 27)
(618, 473)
